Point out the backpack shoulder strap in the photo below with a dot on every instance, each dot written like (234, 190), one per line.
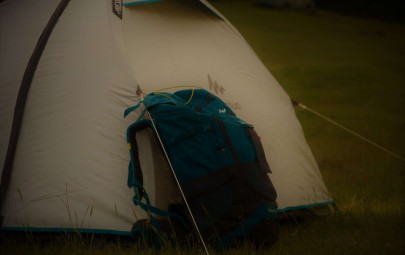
(135, 176)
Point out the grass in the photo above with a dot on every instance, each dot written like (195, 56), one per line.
(351, 70)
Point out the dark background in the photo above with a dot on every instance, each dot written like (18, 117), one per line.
(390, 10)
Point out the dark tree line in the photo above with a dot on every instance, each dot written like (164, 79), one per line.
(392, 10)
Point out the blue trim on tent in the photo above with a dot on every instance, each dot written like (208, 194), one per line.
(300, 207)
(128, 233)
(141, 2)
(67, 230)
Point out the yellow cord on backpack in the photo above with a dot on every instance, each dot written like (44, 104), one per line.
(191, 97)
(175, 87)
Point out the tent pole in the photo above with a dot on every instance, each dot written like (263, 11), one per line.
(140, 94)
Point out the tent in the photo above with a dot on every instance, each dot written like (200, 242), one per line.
(68, 70)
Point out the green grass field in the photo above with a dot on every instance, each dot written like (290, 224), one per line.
(353, 71)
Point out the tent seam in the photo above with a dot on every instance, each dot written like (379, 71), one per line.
(22, 98)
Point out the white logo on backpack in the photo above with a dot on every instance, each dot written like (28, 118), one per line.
(221, 111)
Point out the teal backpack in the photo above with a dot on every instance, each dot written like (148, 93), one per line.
(220, 165)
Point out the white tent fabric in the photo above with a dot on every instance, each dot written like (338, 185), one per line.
(70, 166)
